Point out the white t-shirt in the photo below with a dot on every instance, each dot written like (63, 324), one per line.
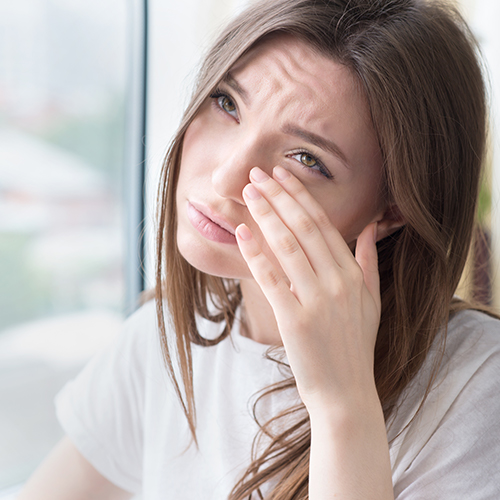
(123, 415)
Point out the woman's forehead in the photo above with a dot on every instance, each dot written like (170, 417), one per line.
(281, 47)
(287, 73)
(281, 58)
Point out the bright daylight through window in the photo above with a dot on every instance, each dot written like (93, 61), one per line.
(62, 112)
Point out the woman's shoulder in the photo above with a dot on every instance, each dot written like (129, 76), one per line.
(471, 335)
(475, 320)
(142, 329)
(142, 326)
(467, 351)
(461, 353)
(142, 318)
(432, 438)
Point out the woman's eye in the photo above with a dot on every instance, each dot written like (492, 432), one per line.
(312, 164)
(308, 160)
(225, 103)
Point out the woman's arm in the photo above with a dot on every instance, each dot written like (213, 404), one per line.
(350, 455)
(66, 475)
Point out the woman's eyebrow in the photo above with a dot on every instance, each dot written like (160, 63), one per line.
(317, 140)
(231, 82)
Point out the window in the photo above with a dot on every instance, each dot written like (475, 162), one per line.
(64, 118)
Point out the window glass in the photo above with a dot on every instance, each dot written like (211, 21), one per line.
(62, 88)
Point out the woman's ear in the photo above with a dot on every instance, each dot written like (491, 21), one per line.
(390, 222)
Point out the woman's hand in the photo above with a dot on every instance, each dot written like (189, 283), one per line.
(328, 311)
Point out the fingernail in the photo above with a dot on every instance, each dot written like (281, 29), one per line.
(258, 175)
(251, 192)
(243, 232)
(280, 173)
(375, 231)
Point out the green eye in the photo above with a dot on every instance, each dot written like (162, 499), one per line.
(310, 164)
(227, 104)
(308, 160)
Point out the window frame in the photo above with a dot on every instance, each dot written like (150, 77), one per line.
(135, 153)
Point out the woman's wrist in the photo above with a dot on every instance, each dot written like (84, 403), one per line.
(350, 453)
(347, 416)
(362, 400)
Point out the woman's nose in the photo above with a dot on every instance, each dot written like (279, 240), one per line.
(232, 171)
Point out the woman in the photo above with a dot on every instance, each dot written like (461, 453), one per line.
(320, 195)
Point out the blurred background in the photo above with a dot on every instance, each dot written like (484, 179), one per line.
(63, 85)
(90, 93)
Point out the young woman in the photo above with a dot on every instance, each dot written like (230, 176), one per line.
(315, 214)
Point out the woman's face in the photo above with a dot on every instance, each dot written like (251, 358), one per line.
(281, 104)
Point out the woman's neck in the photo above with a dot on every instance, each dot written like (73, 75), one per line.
(258, 319)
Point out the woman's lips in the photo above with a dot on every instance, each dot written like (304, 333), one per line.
(209, 225)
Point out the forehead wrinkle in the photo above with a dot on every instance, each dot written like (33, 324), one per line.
(320, 85)
(292, 71)
(299, 59)
(285, 62)
(282, 91)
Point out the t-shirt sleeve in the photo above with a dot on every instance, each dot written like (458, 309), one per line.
(461, 457)
(101, 410)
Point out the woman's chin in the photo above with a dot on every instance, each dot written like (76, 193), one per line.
(213, 262)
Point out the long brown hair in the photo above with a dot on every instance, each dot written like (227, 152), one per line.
(417, 63)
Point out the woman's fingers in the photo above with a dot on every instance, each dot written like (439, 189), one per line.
(334, 240)
(287, 225)
(267, 276)
(281, 241)
(308, 247)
